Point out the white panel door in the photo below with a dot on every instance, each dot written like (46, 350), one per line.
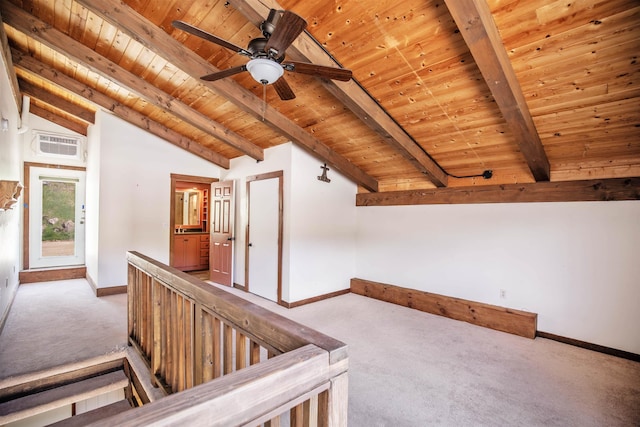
(264, 230)
(56, 217)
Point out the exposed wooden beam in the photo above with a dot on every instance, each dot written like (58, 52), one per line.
(44, 33)
(154, 38)
(31, 65)
(593, 190)
(77, 127)
(6, 56)
(476, 24)
(305, 48)
(41, 94)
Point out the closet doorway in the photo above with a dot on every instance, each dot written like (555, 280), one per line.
(263, 273)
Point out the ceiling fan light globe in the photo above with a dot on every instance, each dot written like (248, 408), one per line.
(264, 71)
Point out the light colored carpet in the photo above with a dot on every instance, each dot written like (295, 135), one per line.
(60, 322)
(407, 368)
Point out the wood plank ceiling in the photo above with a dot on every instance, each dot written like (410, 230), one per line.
(533, 90)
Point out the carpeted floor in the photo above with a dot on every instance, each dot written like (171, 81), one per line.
(55, 323)
(407, 368)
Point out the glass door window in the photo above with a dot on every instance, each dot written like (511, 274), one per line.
(56, 217)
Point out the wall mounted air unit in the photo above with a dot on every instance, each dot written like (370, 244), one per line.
(68, 146)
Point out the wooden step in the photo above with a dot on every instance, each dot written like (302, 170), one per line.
(38, 403)
(89, 417)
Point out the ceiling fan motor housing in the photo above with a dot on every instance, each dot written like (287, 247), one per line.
(269, 25)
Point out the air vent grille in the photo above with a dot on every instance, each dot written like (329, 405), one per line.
(58, 145)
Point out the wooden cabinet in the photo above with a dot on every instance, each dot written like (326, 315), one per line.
(205, 212)
(191, 251)
(204, 252)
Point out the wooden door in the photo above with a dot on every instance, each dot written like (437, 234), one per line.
(221, 242)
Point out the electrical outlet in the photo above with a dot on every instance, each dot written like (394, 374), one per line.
(503, 293)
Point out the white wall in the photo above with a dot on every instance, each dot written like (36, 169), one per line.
(323, 224)
(10, 221)
(575, 264)
(134, 188)
(318, 222)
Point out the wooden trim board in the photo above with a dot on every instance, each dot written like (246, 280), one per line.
(314, 299)
(503, 319)
(590, 346)
(111, 290)
(51, 274)
(104, 292)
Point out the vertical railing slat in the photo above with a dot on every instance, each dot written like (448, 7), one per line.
(165, 339)
(199, 345)
(254, 356)
(217, 347)
(156, 309)
(311, 412)
(241, 351)
(149, 316)
(228, 349)
(274, 422)
(172, 376)
(188, 349)
(207, 347)
(131, 298)
(297, 416)
(180, 332)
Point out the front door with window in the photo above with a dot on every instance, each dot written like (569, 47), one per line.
(56, 217)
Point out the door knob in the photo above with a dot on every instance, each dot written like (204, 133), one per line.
(231, 238)
(250, 244)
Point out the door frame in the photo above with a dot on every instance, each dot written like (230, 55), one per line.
(26, 201)
(172, 203)
(269, 175)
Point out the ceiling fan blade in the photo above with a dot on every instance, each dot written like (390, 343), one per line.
(181, 25)
(333, 73)
(283, 89)
(224, 73)
(289, 27)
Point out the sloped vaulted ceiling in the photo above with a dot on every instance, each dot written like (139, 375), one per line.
(543, 94)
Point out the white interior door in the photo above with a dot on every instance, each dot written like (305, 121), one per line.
(56, 217)
(264, 232)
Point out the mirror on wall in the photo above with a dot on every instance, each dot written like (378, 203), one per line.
(187, 208)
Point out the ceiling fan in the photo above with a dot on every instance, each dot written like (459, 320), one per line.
(267, 53)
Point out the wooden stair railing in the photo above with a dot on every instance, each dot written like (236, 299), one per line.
(192, 333)
(37, 403)
(302, 382)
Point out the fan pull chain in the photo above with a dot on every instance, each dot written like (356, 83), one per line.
(264, 101)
